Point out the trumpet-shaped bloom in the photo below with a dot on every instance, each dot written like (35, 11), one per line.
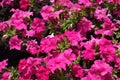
(47, 13)
(89, 54)
(32, 47)
(100, 13)
(15, 43)
(29, 67)
(3, 64)
(24, 4)
(77, 71)
(107, 50)
(84, 25)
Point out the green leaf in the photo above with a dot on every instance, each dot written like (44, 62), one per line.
(13, 73)
(64, 44)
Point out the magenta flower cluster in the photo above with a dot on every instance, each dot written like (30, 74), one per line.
(68, 39)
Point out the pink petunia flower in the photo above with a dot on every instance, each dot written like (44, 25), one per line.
(28, 67)
(3, 26)
(68, 56)
(118, 79)
(15, 43)
(32, 47)
(48, 13)
(91, 43)
(89, 54)
(18, 24)
(117, 60)
(100, 70)
(56, 63)
(100, 13)
(48, 44)
(61, 60)
(107, 50)
(84, 25)
(111, 1)
(99, 1)
(17, 19)
(42, 73)
(18, 14)
(6, 76)
(91, 77)
(38, 25)
(108, 28)
(86, 3)
(73, 36)
(29, 33)
(24, 4)
(77, 71)
(8, 2)
(117, 12)
(3, 64)
(67, 3)
(117, 45)
(37, 22)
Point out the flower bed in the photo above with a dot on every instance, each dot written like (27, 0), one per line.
(60, 40)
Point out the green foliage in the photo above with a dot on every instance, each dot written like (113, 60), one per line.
(10, 32)
(116, 35)
(13, 73)
(74, 1)
(63, 45)
(77, 60)
(110, 6)
(70, 22)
